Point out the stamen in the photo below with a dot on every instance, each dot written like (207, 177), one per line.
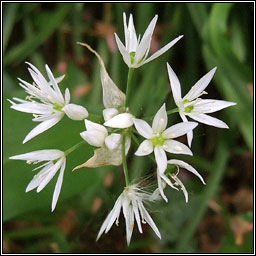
(28, 162)
(117, 222)
(143, 221)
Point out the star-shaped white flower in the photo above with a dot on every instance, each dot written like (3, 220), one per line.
(51, 106)
(131, 202)
(193, 106)
(55, 160)
(170, 175)
(135, 52)
(159, 139)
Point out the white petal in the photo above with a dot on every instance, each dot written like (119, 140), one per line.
(210, 106)
(160, 186)
(113, 141)
(132, 38)
(145, 148)
(143, 128)
(91, 126)
(144, 44)
(67, 96)
(124, 52)
(49, 176)
(175, 85)
(209, 120)
(160, 120)
(137, 215)
(58, 185)
(199, 87)
(109, 113)
(182, 187)
(112, 95)
(148, 219)
(39, 155)
(190, 133)
(123, 120)
(59, 79)
(161, 159)
(41, 128)
(94, 138)
(163, 49)
(33, 108)
(179, 129)
(186, 166)
(129, 221)
(75, 112)
(176, 147)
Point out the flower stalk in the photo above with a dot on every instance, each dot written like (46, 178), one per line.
(128, 88)
(125, 168)
(70, 150)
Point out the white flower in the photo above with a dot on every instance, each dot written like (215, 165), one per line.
(51, 106)
(135, 51)
(123, 120)
(193, 106)
(159, 139)
(131, 202)
(55, 160)
(171, 172)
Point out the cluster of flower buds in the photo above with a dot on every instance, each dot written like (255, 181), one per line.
(112, 137)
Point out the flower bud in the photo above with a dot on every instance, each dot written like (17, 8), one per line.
(75, 112)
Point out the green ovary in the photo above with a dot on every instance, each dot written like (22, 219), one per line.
(171, 169)
(132, 54)
(158, 141)
(57, 107)
(188, 109)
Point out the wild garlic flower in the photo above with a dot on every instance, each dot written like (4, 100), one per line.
(135, 52)
(171, 174)
(131, 202)
(193, 106)
(55, 160)
(51, 106)
(160, 140)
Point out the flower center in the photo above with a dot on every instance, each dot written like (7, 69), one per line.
(188, 109)
(185, 101)
(171, 169)
(132, 54)
(57, 107)
(158, 141)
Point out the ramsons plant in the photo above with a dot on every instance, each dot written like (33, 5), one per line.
(112, 137)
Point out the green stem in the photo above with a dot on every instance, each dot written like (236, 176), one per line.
(175, 110)
(128, 88)
(68, 151)
(126, 175)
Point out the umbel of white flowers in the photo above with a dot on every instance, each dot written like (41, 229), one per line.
(135, 52)
(51, 106)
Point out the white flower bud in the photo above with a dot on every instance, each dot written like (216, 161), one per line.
(123, 120)
(109, 113)
(113, 141)
(75, 112)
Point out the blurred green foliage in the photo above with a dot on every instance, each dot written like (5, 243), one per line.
(215, 34)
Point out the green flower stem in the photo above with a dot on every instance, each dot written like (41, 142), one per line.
(68, 151)
(126, 174)
(175, 110)
(128, 87)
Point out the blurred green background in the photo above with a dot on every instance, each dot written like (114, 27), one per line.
(218, 217)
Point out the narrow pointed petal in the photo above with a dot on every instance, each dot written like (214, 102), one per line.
(137, 215)
(41, 128)
(75, 112)
(39, 155)
(160, 186)
(187, 167)
(58, 185)
(129, 221)
(210, 106)
(33, 108)
(163, 49)
(182, 187)
(112, 96)
(190, 133)
(123, 120)
(209, 120)
(145, 148)
(161, 159)
(179, 129)
(124, 52)
(199, 87)
(67, 96)
(148, 219)
(176, 147)
(132, 41)
(175, 85)
(143, 128)
(160, 120)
